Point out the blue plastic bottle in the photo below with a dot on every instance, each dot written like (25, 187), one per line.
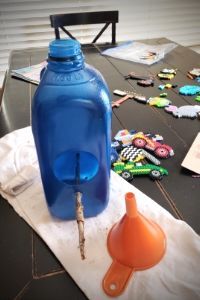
(71, 124)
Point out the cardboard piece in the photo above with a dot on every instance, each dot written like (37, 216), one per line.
(192, 158)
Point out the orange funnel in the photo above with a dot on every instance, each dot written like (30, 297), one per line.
(134, 243)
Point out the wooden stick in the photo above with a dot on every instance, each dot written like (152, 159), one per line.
(80, 222)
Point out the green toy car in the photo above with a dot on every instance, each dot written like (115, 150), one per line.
(130, 169)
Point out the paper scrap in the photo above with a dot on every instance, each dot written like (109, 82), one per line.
(192, 158)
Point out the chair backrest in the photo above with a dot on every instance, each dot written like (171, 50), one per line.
(100, 17)
(2, 89)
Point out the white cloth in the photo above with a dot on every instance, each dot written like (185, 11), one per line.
(175, 277)
(18, 161)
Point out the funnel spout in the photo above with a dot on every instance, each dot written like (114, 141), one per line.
(131, 206)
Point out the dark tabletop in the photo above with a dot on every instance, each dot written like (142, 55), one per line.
(29, 270)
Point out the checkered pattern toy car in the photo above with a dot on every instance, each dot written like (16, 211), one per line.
(133, 154)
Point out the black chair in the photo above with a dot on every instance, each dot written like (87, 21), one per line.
(100, 17)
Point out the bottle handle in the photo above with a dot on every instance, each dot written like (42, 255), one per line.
(116, 279)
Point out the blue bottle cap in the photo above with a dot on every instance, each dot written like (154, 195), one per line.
(64, 48)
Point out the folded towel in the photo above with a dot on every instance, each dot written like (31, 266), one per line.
(20, 181)
(176, 277)
(18, 161)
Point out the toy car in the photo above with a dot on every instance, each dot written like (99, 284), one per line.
(166, 76)
(133, 154)
(168, 71)
(131, 169)
(140, 140)
(124, 137)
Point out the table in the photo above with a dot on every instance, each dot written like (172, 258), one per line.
(28, 268)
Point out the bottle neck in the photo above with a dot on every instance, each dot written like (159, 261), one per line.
(66, 64)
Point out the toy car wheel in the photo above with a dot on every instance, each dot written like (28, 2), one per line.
(162, 152)
(139, 143)
(127, 175)
(155, 175)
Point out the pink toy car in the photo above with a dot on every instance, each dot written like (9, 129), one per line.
(160, 150)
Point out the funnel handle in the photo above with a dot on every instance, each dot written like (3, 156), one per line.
(116, 279)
